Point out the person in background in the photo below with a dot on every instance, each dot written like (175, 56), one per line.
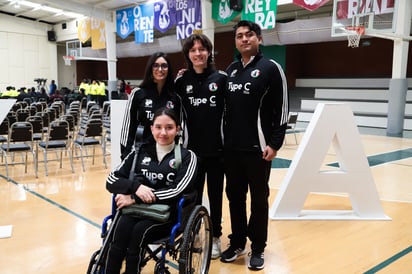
(43, 96)
(132, 234)
(94, 91)
(101, 93)
(52, 87)
(84, 87)
(201, 88)
(128, 88)
(155, 91)
(256, 114)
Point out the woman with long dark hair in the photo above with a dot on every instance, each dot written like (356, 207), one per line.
(155, 91)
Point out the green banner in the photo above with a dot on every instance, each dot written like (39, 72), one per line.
(222, 12)
(262, 12)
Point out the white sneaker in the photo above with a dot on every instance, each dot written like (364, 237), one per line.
(216, 248)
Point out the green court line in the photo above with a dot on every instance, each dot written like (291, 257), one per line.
(53, 203)
(385, 158)
(173, 265)
(373, 160)
(389, 261)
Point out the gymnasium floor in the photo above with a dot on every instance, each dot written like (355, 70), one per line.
(56, 219)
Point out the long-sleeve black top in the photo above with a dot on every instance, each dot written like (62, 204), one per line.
(202, 97)
(256, 101)
(168, 182)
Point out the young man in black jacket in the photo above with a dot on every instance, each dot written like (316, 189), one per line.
(255, 124)
(201, 88)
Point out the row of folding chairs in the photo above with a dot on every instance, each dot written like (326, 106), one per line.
(61, 134)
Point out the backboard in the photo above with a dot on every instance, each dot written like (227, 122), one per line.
(377, 17)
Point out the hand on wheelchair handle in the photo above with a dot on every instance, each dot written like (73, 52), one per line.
(123, 200)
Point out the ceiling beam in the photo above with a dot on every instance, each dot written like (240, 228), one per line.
(81, 8)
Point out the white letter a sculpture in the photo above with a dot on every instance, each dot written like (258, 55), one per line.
(331, 124)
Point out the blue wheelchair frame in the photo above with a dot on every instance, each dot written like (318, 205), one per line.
(189, 242)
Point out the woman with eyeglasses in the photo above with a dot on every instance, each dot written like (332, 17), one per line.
(155, 91)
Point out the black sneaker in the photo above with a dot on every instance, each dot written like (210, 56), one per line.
(257, 261)
(230, 254)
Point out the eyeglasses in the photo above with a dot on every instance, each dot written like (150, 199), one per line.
(162, 65)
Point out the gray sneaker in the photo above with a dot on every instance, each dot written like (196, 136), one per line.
(216, 248)
(257, 261)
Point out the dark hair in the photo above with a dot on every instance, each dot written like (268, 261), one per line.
(148, 75)
(168, 112)
(205, 41)
(251, 25)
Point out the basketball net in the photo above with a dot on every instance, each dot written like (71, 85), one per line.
(68, 60)
(354, 34)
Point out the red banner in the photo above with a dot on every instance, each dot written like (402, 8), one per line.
(348, 8)
(310, 4)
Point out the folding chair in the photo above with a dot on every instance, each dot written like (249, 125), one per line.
(22, 114)
(20, 139)
(291, 125)
(57, 139)
(91, 135)
(4, 131)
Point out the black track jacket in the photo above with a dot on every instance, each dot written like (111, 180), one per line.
(202, 100)
(256, 105)
(169, 183)
(140, 107)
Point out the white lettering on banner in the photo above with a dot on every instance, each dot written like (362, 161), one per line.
(188, 23)
(370, 6)
(264, 17)
(181, 4)
(144, 24)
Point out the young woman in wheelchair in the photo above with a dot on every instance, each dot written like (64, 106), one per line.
(155, 180)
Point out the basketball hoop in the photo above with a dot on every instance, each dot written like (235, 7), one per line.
(354, 34)
(68, 60)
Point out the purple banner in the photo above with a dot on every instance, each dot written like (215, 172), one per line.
(164, 15)
(188, 17)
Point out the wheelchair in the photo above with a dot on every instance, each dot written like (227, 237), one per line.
(189, 243)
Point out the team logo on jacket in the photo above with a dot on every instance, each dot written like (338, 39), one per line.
(172, 163)
(170, 105)
(255, 73)
(233, 73)
(148, 103)
(146, 161)
(212, 86)
(189, 89)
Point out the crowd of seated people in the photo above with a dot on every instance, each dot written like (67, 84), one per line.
(33, 95)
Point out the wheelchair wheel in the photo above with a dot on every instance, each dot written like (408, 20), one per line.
(196, 248)
(95, 265)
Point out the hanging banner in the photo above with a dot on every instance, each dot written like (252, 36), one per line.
(98, 34)
(347, 8)
(124, 22)
(310, 5)
(83, 30)
(143, 23)
(222, 12)
(164, 15)
(262, 13)
(188, 17)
